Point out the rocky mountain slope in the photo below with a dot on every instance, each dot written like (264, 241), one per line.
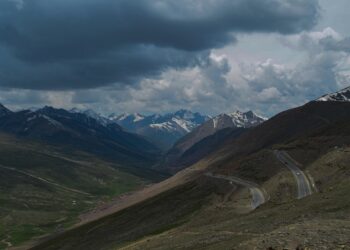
(234, 120)
(80, 131)
(92, 114)
(340, 96)
(162, 130)
(186, 151)
(194, 210)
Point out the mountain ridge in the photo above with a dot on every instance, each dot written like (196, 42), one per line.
(81, 131)
(339, 96)
(234, 124)
(163, 130)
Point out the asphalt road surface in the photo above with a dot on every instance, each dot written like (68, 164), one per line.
(258, 196)
(304, 186)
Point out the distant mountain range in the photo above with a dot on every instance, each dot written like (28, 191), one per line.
(162, 130)
(144, 133)
(81, 131)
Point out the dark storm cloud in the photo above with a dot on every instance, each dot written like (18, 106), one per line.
(67, 44)
(127, 66)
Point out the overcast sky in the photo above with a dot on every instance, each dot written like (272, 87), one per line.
(149, 56)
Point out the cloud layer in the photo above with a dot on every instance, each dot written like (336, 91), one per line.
(162, 55)
(65, 44)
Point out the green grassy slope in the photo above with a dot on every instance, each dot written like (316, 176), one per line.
(43, 189)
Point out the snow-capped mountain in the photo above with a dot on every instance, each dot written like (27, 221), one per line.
(126, 120)
(163, 130)
(236, 120)
(340, 96)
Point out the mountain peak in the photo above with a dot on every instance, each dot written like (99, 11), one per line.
(4, 111)
(339, 96)
(236, 119)
(162, 129)
(47, 109)
(138, 117)
(135, 117)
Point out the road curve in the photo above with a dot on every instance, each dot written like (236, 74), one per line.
(258, 194)
(303, 183)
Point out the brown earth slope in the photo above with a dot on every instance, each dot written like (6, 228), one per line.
(206, 213)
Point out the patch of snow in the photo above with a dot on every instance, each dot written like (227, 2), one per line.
(113, 117)
(215, 122)
(138, 117)
(52, 121)
(121, 117)
(261, 117)
(31, 118)
(236, 119)
(47, 118)
(239, 119)
(163, 126)
(185, 125)
(340, 96)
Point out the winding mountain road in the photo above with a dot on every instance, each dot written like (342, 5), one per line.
(303, 183)
(258, 194)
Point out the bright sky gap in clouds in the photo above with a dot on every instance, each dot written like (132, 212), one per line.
(149, 56)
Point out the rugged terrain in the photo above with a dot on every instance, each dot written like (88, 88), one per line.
(207, 138)
(162, 130)
(201, 211)
(56, 165)
(80, 131)
(339, 96)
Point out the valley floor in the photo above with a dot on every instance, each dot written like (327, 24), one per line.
(44, 189)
